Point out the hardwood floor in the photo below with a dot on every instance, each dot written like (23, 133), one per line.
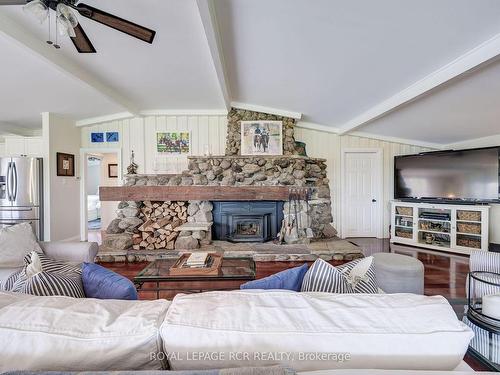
(445, 274)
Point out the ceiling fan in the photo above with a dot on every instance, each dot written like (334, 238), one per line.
(67, 21)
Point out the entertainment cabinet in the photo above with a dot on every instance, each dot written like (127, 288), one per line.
(445, 227)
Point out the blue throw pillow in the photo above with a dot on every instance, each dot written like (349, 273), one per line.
(290, 279)
(99, 282)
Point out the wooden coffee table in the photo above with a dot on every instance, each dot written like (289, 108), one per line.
(156, 277)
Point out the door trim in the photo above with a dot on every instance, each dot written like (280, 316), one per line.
(83, 181)
(379, 153)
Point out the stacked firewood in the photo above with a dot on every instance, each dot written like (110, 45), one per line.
(160, 220)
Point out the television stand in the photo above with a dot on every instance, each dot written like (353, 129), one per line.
(454, 228)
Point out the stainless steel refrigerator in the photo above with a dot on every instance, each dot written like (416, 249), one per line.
(21, 192)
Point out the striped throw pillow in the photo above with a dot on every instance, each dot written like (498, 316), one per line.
(323, 277)
(10, 282)
(54, 284)
(361, 275)
(43, 276)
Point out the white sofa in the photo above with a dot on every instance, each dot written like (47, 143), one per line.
(385, 331)
(65, 251)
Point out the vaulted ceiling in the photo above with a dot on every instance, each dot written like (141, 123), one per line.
(421, 70)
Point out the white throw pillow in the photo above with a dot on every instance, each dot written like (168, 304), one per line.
(15, 242)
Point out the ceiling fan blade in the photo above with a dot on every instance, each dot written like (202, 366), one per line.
(13, 2)
(81, 41)
(117, 23)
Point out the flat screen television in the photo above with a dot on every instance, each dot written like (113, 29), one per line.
(465, 175)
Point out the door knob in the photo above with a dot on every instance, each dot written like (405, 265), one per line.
(374, 200)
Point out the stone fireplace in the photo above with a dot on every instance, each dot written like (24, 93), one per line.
(227, 198)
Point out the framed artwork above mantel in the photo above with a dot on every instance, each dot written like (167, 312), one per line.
(261, 137)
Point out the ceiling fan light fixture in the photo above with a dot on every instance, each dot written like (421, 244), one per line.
(66, 20)
(64, 28)
(37, 9)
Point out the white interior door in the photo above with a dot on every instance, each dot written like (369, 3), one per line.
(362, 187)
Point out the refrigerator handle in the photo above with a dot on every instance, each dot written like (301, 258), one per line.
(9, 181)
(14, 172)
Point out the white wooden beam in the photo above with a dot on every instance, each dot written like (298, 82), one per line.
(56, 59)
(272, 111)
(471, 60)
(333, 130)
(404, 141)
(318, 127)
(488, 141)
(101, 119)
(150, 112)
(7, 128)
(206, 9)
(184, 112)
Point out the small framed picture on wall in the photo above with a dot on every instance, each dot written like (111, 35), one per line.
(96, 137)
(113, 170)
(65, 164)
(112, 137)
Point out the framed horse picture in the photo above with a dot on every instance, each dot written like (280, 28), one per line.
(261, 138)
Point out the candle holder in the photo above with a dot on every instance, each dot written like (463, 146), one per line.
(485, 346)
(480, 284)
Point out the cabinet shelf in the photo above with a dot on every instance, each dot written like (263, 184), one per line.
(433, 231)
(468, 234)
(438, 220)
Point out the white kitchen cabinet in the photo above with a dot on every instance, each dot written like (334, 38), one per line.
(23, 146)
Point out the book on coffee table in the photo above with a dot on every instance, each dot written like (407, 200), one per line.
(197, 260)
(210, 267)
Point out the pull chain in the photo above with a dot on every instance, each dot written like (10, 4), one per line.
(49, 41)
(56, 45)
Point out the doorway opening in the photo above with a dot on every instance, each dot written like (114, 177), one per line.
(94, 222)
(101, 167)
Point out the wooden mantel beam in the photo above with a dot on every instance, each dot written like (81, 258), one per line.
(195, 193)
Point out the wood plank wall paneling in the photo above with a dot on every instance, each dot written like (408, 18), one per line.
(329, 145)
(139, 134)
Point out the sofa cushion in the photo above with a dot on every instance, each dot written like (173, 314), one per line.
(74, 334)
(388, 331)
(323, 277)
(102, 283)
(15, 242)
(290, 279)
